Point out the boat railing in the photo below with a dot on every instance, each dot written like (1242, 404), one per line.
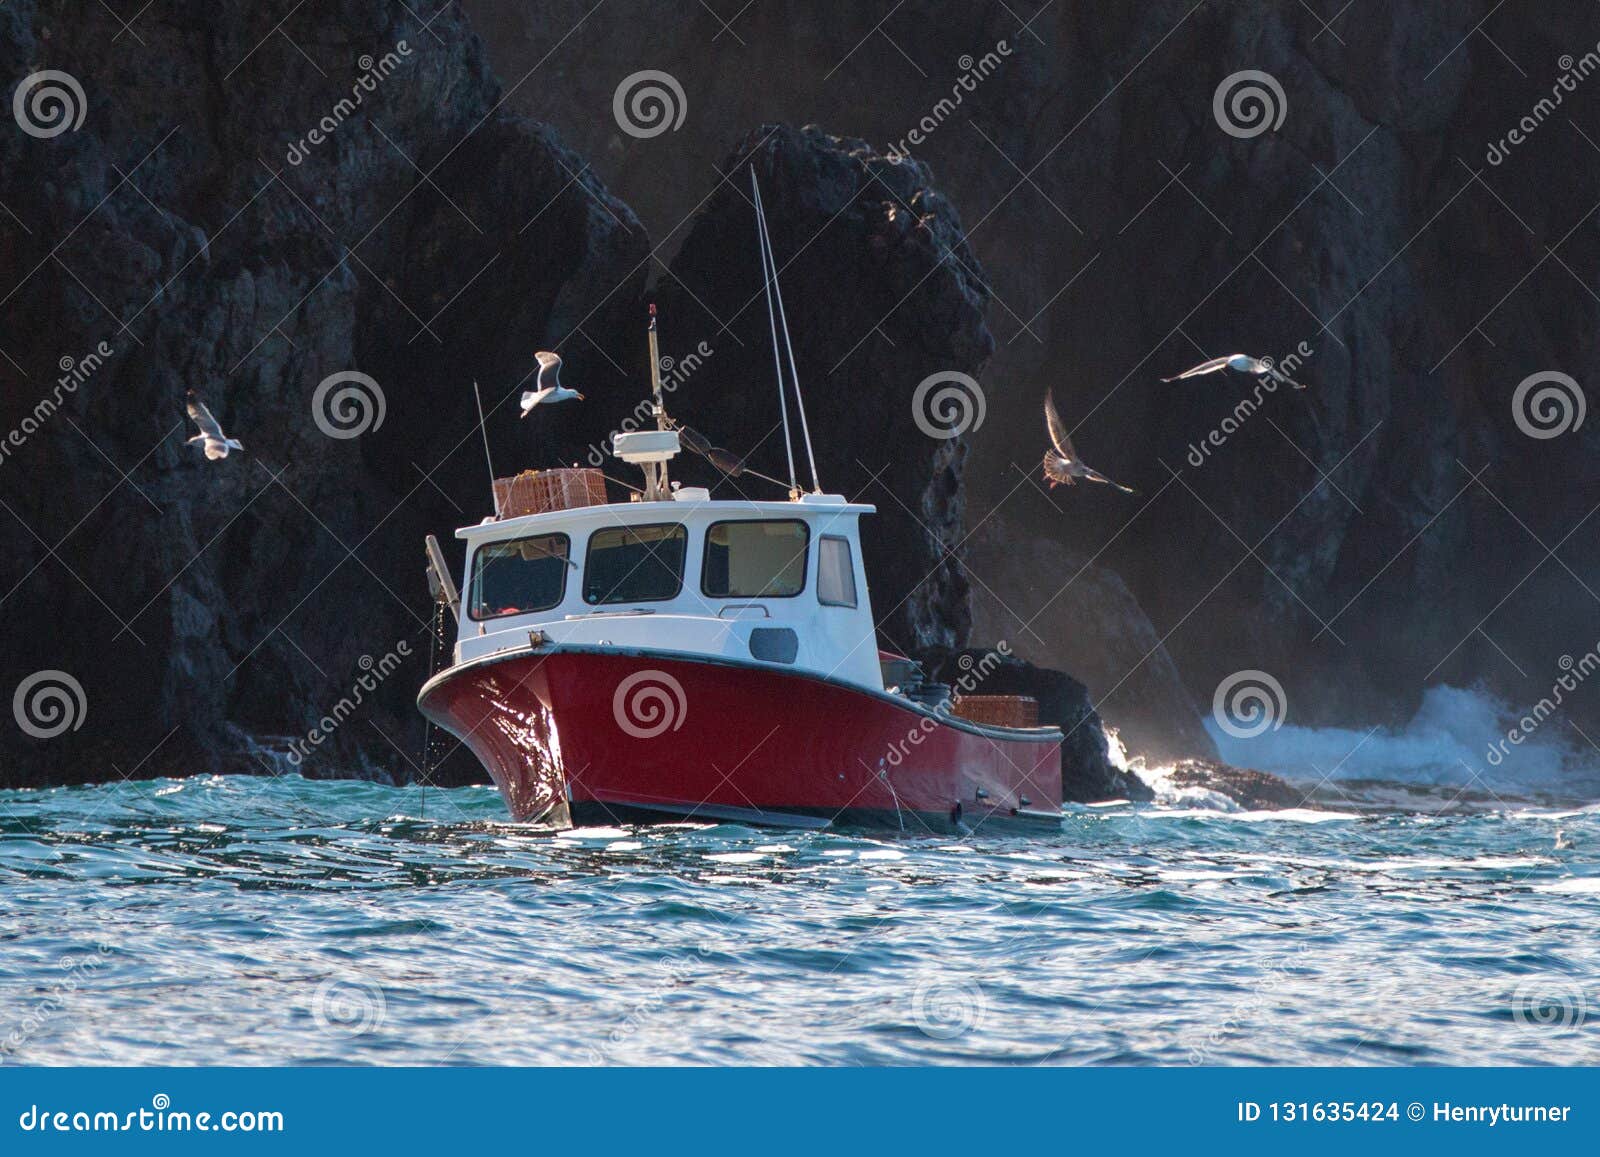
(722, 612)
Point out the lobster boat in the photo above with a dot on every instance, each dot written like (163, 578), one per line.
(677, 657)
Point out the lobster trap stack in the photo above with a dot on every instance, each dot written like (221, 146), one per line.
(539, 491)
(998, 710)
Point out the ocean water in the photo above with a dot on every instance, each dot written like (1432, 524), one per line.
(286, 921)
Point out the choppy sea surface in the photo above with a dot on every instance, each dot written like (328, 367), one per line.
(286, 921)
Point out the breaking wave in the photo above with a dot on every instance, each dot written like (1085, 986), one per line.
(1457, 738)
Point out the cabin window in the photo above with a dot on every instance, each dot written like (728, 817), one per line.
(522, 575)
(836, 574)
(755, 560)
(635, 564)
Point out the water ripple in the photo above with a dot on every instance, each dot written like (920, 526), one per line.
(287, 921)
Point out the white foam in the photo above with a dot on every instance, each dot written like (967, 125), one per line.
(1584, 885)
(1447, 742)
(592, 834)
(1296, 815)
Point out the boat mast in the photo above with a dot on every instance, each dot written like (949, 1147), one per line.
(769, 272)
(657, 488)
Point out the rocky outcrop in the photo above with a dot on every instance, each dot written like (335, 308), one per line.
(881, 292)
(250, 209)
(1248, 788)
(1087, 773)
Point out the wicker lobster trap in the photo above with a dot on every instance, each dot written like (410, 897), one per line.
(998, 710)
(539, 491)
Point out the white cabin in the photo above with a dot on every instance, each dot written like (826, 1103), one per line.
(779, 583)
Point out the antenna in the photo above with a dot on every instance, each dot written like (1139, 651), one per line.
(655, 373)
(771, 261)
(484, 430)
(657, 485)
(767, 280)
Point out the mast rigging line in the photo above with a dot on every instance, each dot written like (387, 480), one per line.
(767, 279)
(770, 261)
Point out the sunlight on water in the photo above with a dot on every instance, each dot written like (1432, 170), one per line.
(245, 921)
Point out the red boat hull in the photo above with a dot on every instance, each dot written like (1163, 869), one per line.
(596, 736)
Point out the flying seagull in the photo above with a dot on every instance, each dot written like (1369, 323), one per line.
(1239, 364)
(550, 387)
(216, 442)
(1062, 465)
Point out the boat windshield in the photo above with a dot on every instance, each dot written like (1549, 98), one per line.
(755, 560)
(522, 575)
(635, 564)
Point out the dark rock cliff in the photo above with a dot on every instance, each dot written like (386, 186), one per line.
(194, 225)
(244, 209)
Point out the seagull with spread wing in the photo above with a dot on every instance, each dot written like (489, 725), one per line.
(1239, 364)
(217, 443)
(1062, 466)
(550, 388)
